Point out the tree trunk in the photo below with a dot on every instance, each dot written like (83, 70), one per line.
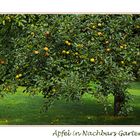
(118, 103)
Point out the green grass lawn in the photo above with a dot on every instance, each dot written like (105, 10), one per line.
(21, 108)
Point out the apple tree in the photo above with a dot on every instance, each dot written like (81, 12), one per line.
(64, 56)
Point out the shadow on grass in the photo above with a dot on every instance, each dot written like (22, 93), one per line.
(25, 110)
(86, 114)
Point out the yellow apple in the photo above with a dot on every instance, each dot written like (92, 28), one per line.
(46, 48)
(92, 60)
(36, 52)
(67, 52)
(108, 49)
(99, 24)
(122, 62)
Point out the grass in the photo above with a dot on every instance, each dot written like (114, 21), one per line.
(22, 109)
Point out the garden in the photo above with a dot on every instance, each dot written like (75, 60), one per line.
(69, 69)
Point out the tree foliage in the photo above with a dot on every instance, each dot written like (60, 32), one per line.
(59, 55)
